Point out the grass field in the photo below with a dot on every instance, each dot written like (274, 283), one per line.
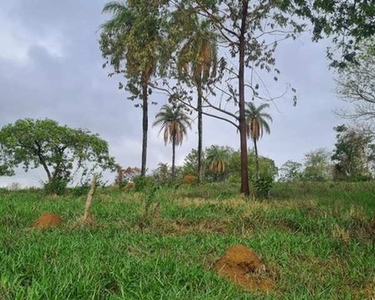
(316, 240)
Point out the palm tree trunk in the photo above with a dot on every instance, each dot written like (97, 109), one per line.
(173, 156)
(256, 159)
(144, 126)
(200, 132)
(242, 119)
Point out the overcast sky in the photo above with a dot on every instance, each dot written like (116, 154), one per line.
(51, 67)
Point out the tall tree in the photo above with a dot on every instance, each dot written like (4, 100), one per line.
(132, 42)
(197, 63)
(175, 123)
(256, 120)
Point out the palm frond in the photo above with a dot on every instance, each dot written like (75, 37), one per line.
(175, 122)
(257, 120)
(113, 7)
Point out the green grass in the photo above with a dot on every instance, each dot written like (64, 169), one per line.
(316, 240)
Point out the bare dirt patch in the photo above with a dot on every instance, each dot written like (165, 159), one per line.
(243, 267)
(47, 220)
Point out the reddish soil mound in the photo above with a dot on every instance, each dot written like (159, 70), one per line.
(47, 220)
(129, 186)
(189, 179)
(243, 267)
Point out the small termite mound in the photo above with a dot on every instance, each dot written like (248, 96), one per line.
(47, 220)
(243, 267)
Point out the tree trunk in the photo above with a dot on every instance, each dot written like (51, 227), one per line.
(144, 126)
(173, 156)
(42, 160)
(86, 214)
(256, 159)
(242, 119)
(47, 171)
(200, 133)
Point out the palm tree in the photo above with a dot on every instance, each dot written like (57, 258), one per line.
(256, 120)
(137, 57)
(175, 122)
(198, 61)
(217, 158)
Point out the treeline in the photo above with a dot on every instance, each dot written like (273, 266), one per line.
(352, 159)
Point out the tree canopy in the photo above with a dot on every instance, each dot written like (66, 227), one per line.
(356, 85)
(60, 150)
(354, 153)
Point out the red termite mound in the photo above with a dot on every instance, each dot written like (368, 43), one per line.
(243, 267)
(47, 220)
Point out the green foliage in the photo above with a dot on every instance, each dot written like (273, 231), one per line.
(63, 152)
(318, 166)
(263, 185)
(81, 190)
(232, 165)
(191, 162)
(348, 22)
(150, 198)
(353, 154)
(132, 41)
(143, 183)
(267, 166)
(162, 175)
(291, 171)
(56, 186)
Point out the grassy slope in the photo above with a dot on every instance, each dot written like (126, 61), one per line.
(315, 239)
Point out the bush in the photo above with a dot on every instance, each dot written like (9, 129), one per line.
(56, 186)
(263, 185)
(143, 182)
(79, 191)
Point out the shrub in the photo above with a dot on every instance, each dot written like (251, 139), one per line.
(56, 186)
(263, 185)
(142, 182)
